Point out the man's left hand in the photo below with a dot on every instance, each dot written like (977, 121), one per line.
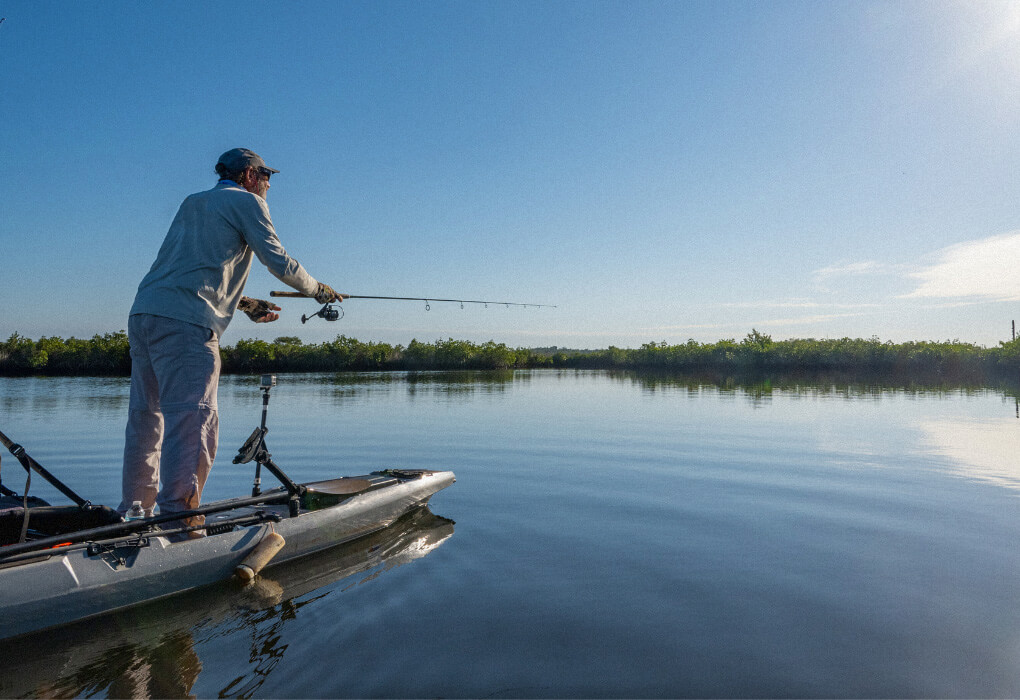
(258, 310)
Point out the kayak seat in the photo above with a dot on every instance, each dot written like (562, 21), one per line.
(47, 521)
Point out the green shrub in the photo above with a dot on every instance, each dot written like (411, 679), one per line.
(756, 353)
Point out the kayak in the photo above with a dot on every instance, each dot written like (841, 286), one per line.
(60, 564)
(64, 663)
(47, 586)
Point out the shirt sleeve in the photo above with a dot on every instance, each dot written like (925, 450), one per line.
(259, 233)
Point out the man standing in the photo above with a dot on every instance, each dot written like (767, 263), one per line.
(180, 311)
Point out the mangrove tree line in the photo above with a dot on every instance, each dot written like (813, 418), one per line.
(108, 354)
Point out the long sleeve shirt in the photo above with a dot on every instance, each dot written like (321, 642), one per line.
(203, 264)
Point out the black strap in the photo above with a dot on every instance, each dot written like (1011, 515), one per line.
(24, 508)
(30, 464)
(24, 499)
(24, 505)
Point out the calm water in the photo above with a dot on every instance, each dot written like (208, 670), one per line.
(607, 536)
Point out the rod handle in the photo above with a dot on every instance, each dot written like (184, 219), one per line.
(291, 295)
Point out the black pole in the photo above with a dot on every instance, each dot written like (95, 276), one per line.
(31, 465)
(256, 489)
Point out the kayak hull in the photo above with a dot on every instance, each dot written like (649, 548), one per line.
(60, 587)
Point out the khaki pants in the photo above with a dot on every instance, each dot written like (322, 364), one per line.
(173, 424)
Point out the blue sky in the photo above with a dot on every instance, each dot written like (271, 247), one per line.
(658, 170)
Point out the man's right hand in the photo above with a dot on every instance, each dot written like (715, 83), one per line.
(325, 295)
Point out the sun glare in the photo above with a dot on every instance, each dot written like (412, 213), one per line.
(988, 35)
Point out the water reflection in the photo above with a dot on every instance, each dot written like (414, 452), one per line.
(762, 388)
(47, 396)
(154, 650)
(346, 386)
(815, 548)
(985, 450)
(106, 397)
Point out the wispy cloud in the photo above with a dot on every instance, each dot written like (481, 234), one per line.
(986, 268)
(806, 320)
(793, 304)
(855, 269)
(971, 273)
(757, 323)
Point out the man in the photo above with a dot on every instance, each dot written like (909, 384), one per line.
(180, 311)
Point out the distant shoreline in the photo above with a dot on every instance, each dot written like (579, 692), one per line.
(953, 361)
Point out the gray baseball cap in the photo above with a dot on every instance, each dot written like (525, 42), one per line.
(237, 159)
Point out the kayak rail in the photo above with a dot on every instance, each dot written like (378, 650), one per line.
(140, 526)
(138, 539)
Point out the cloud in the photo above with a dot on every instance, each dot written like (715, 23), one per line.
(875, 294)
(757, 323)
(988, 268)
(793, 304)
(857, 269)
(806, 320)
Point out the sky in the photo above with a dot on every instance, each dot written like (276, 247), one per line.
(658, 171)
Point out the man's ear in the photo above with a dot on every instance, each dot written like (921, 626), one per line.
(249, 179)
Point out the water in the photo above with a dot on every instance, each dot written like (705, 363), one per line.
(608, 536)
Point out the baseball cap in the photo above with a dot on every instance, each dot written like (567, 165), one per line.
(240, 158)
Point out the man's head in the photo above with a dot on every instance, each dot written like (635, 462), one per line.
(247, 169)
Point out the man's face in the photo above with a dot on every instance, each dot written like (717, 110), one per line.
(262, 183)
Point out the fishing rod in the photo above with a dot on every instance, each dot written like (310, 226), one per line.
(331, 313)
(276, 496)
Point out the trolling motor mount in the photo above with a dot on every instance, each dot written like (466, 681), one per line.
(254, 448)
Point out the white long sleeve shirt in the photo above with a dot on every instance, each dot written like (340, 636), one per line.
(200, 271)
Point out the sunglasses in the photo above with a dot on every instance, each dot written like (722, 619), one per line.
(265, 173)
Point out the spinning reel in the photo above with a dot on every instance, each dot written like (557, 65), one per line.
(328, 312)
